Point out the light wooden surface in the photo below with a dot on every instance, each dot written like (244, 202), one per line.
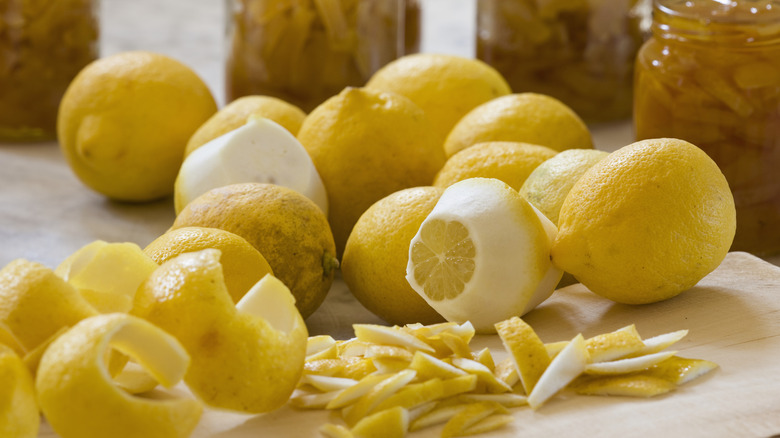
(733, 315)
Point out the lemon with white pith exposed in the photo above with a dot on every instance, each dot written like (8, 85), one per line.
(483, 254)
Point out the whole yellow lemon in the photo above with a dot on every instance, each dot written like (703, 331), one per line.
(647, 222)
(446, 87)
(377, 252)
(124, 122)
(508, 161)
(525, 117)
(366, 145)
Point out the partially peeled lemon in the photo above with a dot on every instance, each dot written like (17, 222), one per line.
(483, 254)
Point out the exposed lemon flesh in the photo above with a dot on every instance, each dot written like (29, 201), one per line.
(443, 258)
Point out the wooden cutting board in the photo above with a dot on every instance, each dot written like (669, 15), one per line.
(733, 318)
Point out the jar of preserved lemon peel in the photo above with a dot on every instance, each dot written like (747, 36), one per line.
(305, 51)
(711, 75)
(578, 51)
(43, 45)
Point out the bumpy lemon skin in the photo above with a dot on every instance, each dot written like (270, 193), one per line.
(647, 222)
(124, 121)
(19, 416)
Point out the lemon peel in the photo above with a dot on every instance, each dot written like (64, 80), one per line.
(36, 303)
(19, 417)
(79, 399)
(107, 274)
(246, 357)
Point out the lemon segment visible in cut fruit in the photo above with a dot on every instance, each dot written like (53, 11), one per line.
(482, 255)
(80, 400)
(37, 303)
(246, 357)
(242, 264)
(19, 417)
(260, 151)
(107, 274)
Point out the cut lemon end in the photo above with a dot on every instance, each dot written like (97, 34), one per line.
(443, 259)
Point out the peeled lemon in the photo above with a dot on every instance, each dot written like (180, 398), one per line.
(260, 151)
(483, 254)
(79, 399)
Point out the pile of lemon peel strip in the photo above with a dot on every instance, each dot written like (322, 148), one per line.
(396, 380)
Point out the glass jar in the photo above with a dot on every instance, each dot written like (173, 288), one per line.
(43, 45)
(578, 51)
(305, 51)
(711, 75)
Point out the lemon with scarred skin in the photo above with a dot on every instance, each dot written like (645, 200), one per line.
(287, 228)
(524, 117)
(124, 122)
(647, 222)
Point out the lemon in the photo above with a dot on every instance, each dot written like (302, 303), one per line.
(107, 274)
(376, 254)
(36, 303)
(508, 161)
(246, 357)
(124, 122)
(482, 254)
(237, 113)
(547, 186)
(647, 222)
(366, 145)
(19, 417)
(259, 151)
(525, 117)
(79, 399)
(287, 228)
(242, 263)
(446, 87)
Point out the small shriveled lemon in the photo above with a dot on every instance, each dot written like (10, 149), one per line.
(124, 122)
(36, 303)
(482, 254)
(375, 258)
(19, 417)
(236, 113)
(79, 399)
(508, 161)
(525, 117)
(547, 186)
(446, 87)
(287, 228)
(246, 357)
(366, 145)
(647, 222)
(242, 263)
